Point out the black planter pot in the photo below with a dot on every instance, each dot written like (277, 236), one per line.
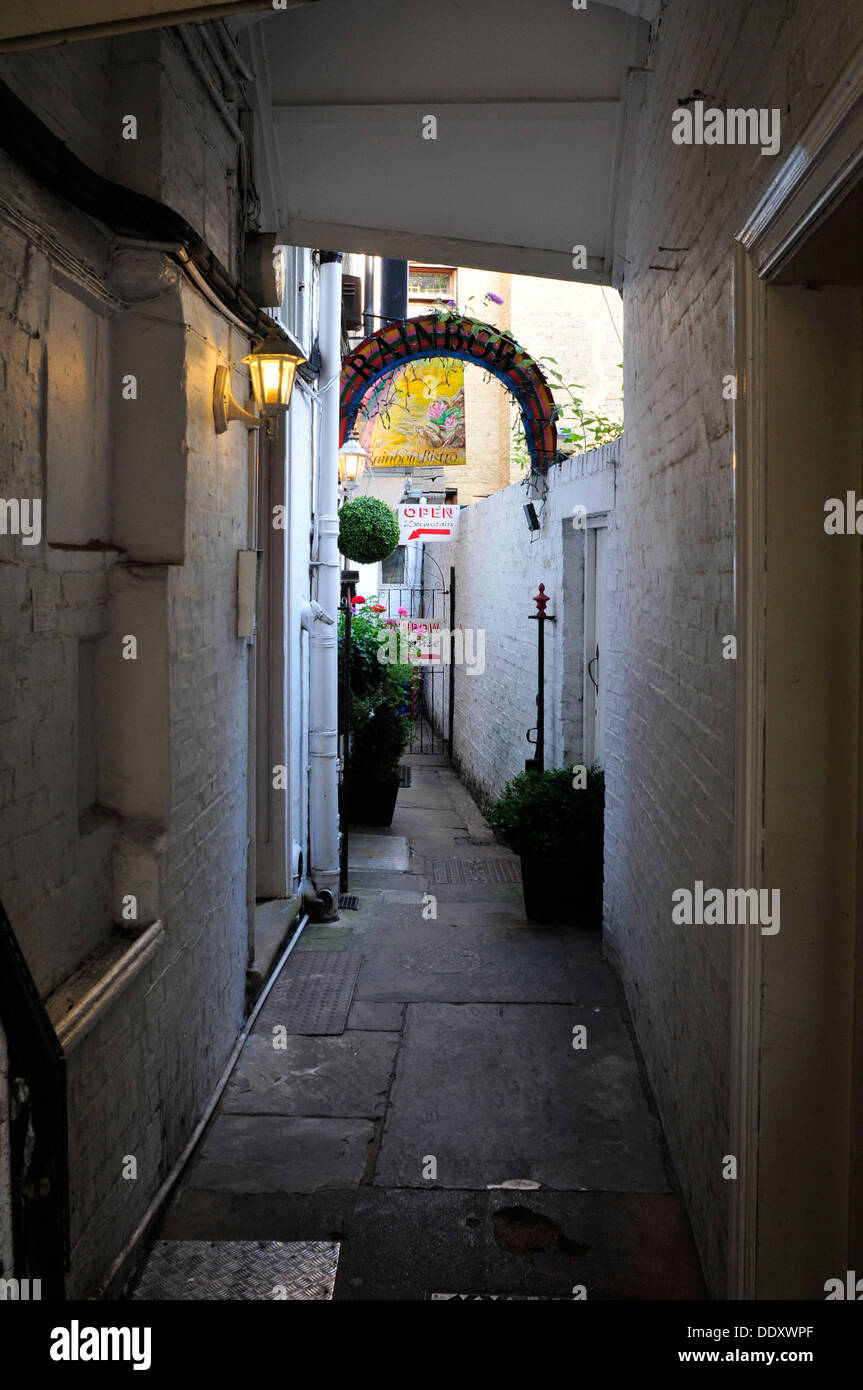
(371, 800)
(558, 892)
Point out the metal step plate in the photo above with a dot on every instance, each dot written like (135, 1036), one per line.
(313, 994)
(238, 1270)
(476, 871)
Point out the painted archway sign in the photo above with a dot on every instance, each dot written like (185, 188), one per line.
(446, 337)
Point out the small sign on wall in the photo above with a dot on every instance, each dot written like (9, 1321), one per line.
(247, 592)
(427, 521)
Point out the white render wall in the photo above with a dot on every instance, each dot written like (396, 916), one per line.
(166, 513)
(671, 719)
(498, 570)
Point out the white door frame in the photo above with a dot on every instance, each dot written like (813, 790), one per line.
(826, 159)
(593, 523)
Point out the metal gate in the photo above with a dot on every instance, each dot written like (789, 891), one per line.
(424, 615)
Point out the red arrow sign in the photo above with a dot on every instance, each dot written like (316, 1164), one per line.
(428, 531)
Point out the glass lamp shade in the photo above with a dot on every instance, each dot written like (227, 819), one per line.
(352, 461)
(272, 371)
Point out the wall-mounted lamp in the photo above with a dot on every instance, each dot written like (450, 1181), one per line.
(272, 369)
(352, 462)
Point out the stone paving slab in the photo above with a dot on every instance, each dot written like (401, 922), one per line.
(275, 1154)
(453, 965)
(497, 1092)
(509, 893)
(336, 1076)
(415, 878)
(403, 1245)
(378, 852)
(387, 1018)
(224, 1215)
(423, 795)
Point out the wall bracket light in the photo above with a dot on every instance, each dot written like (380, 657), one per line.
(352, 463)
(272, 369)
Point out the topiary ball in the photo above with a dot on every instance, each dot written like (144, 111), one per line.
(368, 530)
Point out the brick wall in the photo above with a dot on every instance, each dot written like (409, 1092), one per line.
(670, 740)
(498, 568)
(168, 739)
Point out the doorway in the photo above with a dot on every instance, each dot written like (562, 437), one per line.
(595, 639)
(796, 1067)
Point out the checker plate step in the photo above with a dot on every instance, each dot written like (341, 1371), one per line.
(238, 1270)
(476, 871)
(313, 994)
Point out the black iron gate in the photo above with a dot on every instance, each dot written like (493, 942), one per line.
(421, 616)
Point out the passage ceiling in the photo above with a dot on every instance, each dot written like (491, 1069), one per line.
(532, 107)
(529, 106)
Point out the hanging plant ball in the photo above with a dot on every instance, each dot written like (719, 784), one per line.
(368, 530)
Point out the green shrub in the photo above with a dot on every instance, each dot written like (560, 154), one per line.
(368, 530)
(380, 727)
(380, 696)
(542, 813)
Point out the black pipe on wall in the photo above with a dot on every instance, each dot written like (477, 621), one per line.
(394, 289)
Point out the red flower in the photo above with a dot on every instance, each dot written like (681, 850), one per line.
(378, 608)
(357, 598)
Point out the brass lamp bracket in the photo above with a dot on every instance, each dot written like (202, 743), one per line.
(225, 408)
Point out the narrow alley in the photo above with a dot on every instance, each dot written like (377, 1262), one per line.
(441, 1126)
(431, 482)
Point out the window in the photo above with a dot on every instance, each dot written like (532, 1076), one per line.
(430, 284)
(393, 567)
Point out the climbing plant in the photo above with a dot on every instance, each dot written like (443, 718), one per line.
(577, 427)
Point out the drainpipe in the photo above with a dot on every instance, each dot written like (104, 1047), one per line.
(394, 289)
(323, 638)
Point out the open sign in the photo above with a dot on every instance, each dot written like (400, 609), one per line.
(427, 521)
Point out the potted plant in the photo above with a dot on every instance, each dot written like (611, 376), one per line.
(380, 723)
(555, 824)
(368, 530)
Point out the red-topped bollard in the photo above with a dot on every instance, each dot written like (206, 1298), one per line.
(541, 600)
(540, 617)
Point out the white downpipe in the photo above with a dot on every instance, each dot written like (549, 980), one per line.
(323, 637)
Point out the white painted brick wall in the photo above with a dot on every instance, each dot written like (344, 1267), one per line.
(139, 1081)
(498, 569)
(670, 733)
